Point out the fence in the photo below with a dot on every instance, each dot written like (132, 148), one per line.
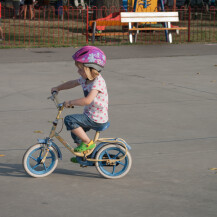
(69, 27)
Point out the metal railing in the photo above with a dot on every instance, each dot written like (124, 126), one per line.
(68, 26)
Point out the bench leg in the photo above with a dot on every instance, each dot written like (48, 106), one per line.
(137, 32)
(135, 38)
(170, 39)
(130, 33)
(93, 32)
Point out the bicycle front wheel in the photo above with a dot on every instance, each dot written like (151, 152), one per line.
(118, 169)
(32, 161)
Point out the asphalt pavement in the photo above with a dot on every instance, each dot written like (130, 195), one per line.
(162, 101)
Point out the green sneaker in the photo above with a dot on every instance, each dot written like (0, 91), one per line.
(74, 160)
(84, 147)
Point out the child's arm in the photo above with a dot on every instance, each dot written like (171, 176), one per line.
(82, 101)
(65, 86)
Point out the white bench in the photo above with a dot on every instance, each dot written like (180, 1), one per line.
(150, 17)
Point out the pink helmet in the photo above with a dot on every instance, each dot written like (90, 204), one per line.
(91, 56)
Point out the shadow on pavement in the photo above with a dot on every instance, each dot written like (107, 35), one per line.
(16, 170)
(77, 173)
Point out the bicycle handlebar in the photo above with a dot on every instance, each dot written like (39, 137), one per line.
(54, 98)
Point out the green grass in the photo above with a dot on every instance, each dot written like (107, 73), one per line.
(26, 33)
(62, 33)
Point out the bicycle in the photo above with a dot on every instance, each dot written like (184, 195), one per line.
(111, 156)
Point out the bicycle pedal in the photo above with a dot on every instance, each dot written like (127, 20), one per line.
(82, 166)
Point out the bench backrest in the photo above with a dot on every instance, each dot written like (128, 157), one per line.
(128, 17)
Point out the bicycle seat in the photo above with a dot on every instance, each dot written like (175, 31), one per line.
(104, 127)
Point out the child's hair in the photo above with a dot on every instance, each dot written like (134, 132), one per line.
(90, 72)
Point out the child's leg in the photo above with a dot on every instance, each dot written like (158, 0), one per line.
(76, 139)
(79, 132)
(30, 12)
(25, 10)
(78, 124)
(1, 32)
(21, 10)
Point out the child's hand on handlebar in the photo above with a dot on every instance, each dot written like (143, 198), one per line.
(54, 89)
(67, 104)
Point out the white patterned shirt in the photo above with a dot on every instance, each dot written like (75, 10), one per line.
(98, 109)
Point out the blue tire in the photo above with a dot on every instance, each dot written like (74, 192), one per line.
(32, 161)
(114, 152)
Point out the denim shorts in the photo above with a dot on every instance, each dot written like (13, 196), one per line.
(80, 120)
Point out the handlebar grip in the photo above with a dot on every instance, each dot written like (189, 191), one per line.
(54, 93)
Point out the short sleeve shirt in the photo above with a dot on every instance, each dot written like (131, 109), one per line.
(98, 109)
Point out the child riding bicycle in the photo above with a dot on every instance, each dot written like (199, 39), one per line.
(90, 61)
(110, 156)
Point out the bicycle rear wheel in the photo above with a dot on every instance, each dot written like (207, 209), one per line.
(114, 152)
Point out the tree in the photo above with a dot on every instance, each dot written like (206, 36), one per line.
(109, 6)
(109, 3)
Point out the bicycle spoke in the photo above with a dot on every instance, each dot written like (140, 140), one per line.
(120, 163)
(45, 167)
(113, 171)
(33, 158)
(116, 155)
(108, 155)
(40, 153)
(35, 166)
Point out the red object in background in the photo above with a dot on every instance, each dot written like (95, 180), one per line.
(111, 17)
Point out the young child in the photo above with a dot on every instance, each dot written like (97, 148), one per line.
(90, 61)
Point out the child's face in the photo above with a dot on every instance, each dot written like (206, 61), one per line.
(82, 73)
(81, 70)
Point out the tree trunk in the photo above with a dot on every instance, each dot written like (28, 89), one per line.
(109, 6)
(109, 3)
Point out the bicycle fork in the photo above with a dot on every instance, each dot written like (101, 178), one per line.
(52, 134)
